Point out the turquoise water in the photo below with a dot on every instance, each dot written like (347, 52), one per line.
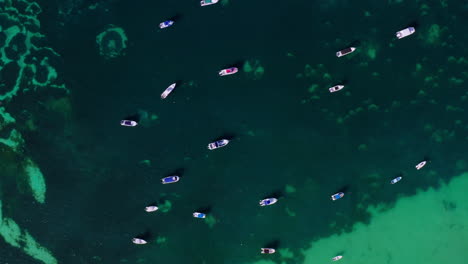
(71, 72)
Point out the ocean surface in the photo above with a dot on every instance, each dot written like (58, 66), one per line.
(74, 183)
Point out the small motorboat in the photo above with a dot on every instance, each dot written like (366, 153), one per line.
(151, 208)
(421, 164)
(128, 123)
(397, 179)
(170, 179)
(139, 241)
(267, 250)
(208, 2)
(335, 88)
(228, 71)
(268, 201)
(405, 32)
(337, 196)
(166, 24)
(337, 258)
(199, 215)
(346, 51)
(168, 91)
(218, 144)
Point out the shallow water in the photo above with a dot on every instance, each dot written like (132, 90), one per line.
(403, 101)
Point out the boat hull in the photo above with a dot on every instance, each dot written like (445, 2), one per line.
(208, 2)
(168, 90)
(405, 32)
(199, 215)
(268, 201)
(335, 88)
(128, 123)
(170, 179)
(139, 241)
(337, 196)
(229, 71)
(166, 24)
(218, 144)
(397, 179)
(345, 52)
(421, 165)
(150, 209)
(267, 250)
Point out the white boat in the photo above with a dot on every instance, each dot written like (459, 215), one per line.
(128, 123)
(337, 196)
(397, 179)
(228, 71)
(337, 258)
(151, 208)
(346, 51)
(268, 201)
(199, 215)
(335, 88)
(139, 241)
(218, 144)
(170, 179)
(421, 164)
(267, 250)
(405, 32)
(208, 2)
(166, 24)
(168, 91)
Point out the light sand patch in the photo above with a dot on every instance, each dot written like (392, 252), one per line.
(7, 118)
(254, 69)
(112, 42)
(372, 53)
(145, 162)
(166, 206)
(290, 212)
(290, 189)
(210, 220)
(14, 141)
(430, 228)
(33, 249)
(161, 240)
(61, 105)
(286, 253)
(362, 147)
(36, 180)
(12, 234)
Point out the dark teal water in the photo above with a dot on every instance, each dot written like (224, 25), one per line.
(97, 187)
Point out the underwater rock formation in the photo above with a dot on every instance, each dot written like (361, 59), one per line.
(112, 42)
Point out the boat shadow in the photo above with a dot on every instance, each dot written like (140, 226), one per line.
(177, 17)
(414, 24)
(426, 158)
(238, 64)
(275, 194)
(179, 82)
(134, 117)
(345, 189)
(344, 82)
(204, 209)
(179, 172)
(159, 202)
(355, 43)
(147, 235)
(228, 136)
(273, 244)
